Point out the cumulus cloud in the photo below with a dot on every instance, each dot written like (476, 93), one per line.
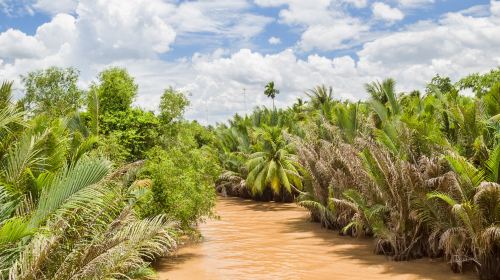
(326, 24)
(16, 44)
(102, 32)
(20, 7)
(385, 12)
(117, 29)
(98, 34)
(331, 37)
(227, 76)
(411, 56)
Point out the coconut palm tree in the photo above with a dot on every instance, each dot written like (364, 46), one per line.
(273, 165)
(271, 92)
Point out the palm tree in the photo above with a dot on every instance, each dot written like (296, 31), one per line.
(394, 184)
(63, 214)
(298, 110)
(383, 100)
(320, 96)
(82, 227)
(463, 216)
(422, 179)
(273, 165)
(271, 92)
(478, 229)
(346, 118)
(5, 94)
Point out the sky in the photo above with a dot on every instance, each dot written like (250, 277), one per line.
(215, 50)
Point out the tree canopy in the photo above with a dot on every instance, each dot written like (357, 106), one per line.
(53, 91)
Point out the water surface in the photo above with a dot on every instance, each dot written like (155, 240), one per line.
(255, 240)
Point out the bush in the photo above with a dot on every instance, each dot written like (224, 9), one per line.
(182, 184)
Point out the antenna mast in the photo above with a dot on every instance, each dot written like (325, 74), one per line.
(245, 98)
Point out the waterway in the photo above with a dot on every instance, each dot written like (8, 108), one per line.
(267, 240)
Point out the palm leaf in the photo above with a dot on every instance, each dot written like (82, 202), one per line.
(492, 165)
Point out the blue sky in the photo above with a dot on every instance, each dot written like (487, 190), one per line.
(214, 49)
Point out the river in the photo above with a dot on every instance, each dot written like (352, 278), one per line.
(266, 240)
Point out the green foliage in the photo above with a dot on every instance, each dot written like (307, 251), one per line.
(172, 105)
(385, 94)
(134, 129)
(82, 227)
(5, 94)
(320, 96)
(442, 84)
(480, 84)
(116, 90)
(417, 172)
(182, 184)
(64, 212)
(93, 109)
(52, 91)
(273, 166)
(270, 91)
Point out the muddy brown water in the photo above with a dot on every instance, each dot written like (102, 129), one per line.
(266, 240)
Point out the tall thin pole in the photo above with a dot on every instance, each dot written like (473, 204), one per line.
(245, 98)
(206, 111)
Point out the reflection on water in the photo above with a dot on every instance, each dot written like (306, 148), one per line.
(254, 240)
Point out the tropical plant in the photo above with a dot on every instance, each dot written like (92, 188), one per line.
(67, 213)
(98, 235)
(271, 92)
(418, 172)
(273, 166)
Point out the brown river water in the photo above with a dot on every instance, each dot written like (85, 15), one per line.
(266, 240)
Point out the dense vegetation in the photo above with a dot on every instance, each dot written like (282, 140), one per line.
(91, 187)
(417, 171)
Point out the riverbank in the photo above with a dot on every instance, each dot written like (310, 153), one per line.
(266, 240)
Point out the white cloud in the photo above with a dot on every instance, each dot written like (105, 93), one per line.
(55, 7)
(16, 44)
(227, 76)
(415, 3)
(248, 26)
(59, 31)
(225, 17)
(274, 40)
(117, 29)
(495, 8)
(21, 7)
(326, 25)
(466, 44)
(385, 12)
(99, 34)
(331, 37)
